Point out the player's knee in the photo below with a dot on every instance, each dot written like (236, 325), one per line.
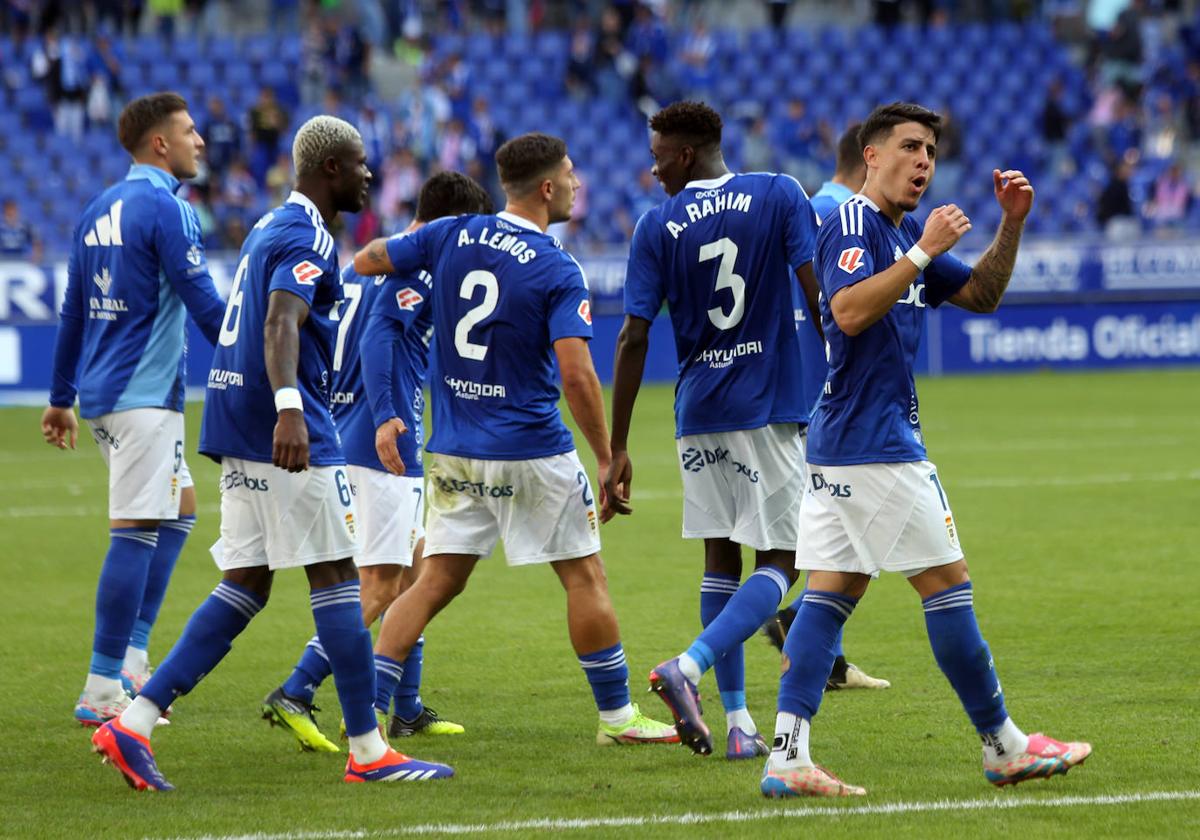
(583, 573)
(257, 580)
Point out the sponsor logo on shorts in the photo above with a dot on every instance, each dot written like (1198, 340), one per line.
(237, 478)
(220, 379)
(838, 491)
(473, 488)
(103, 435)
(695, 460)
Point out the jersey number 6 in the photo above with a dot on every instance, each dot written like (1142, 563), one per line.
(233, 309)
(726, 279)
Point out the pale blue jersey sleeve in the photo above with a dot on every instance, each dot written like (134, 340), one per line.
(644, 293)
(68, 342)
(568, 304)
(180, 246)
(944, 276)
(800, 222)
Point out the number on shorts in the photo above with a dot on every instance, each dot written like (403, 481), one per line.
(491, 294)
(233, 309)
(343, 487)
(346, 313)
(726, 279)
(178, 455)
(581, 478)
(941, 493)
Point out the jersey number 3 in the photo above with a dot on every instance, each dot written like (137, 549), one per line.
(726, 279)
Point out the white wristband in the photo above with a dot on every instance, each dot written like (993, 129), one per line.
(919, 257)
(288, 398)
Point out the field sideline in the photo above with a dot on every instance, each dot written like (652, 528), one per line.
(1076, 497)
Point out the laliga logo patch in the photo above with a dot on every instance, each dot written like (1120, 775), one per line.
(305, 273)
(408, 299)
(850, 260)
(585, 312)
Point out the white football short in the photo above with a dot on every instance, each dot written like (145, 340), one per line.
(872, 518)
(391, 516)
(271, 517)
(743, 485)
(143, 448)
(544, 508)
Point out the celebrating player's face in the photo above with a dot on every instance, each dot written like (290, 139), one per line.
(669, 166)
(903, 164)
(355, 176)
(562, 198)
(184, 145)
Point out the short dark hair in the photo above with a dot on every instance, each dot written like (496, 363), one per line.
(694, 122)
(451, 194)
(878, 126)
(143, 115)
(528, 158)
(849, 150)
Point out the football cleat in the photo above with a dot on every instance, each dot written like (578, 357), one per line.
(396, 767)
(426, 723)
(1043, 758)
(853, 677)
(380, 721)
(740, 745)
(296, 716)
(639, 729)
(805, 781)
(94, 712)
(133, 683)
(130, 753)
(777, 626)
(682, 698)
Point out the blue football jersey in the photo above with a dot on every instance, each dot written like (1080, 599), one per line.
(723, 254)
(869, 412)
(383, 337)
(503, 293)
(136, 268)
(812, 349)
(289, 249)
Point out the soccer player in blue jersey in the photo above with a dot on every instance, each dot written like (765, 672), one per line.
(137, 269)
(508, 302)
(731, 254)
(847, 179)
(285, 496)
(378, 378)
(874, 502)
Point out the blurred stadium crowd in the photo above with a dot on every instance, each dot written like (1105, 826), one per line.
(1098, 101)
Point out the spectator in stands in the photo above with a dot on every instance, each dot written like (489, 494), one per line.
(200, 197)
(16, 235)
(614, 64)
(456, 81)
(1171, 198)
(696, 53)
(104, 60)
(279, 178)
(581, 68)
(1054, 124)
(165, 14)
(314, 75)
(796, 137)
(1164, 128)
(647, 37)
(233, 232)
(777, 13)
(455, 147)
(643, 195)
(267, 121)
(400, 183)
(1114, 210)
(1121, 47)
(758, 153)
(60, 64)
(1125, 132)
(351, 56)
(376, 130)
(222, 137)
(239, 188)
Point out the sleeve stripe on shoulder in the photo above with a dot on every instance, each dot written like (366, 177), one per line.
(851, 213)
(322, 238)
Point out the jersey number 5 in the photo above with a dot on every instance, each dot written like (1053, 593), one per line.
(491, 295)
(726, 279)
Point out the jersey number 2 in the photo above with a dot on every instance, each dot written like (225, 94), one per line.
(726, 279)
(491, 295)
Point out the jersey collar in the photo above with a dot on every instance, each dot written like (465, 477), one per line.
(519, 221)
(156, 176)
(710, 184)
(862, 197)
(304, 201)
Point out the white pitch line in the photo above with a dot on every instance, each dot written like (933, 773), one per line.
(804, 812)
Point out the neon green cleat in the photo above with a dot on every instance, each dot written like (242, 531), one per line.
(296, 717)
(639, 729)
(428, 722)
(380, 719)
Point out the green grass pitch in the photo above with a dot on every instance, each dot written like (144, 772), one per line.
(1078, 503)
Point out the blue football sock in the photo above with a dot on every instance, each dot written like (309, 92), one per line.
(408, 694)
(837, 645)
(963, 655)
(388, 674)
(119, 595)
(309, 673)
(754, 602)
(608, 675)
(206, 639)
(337, 612)
(808, 650)
(715, 592)
(172, 534)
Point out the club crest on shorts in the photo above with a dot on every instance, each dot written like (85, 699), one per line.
(350, 523)
(850, 260)
(306, 273)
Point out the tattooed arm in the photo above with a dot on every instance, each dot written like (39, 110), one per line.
(373, 259)
(990, 276)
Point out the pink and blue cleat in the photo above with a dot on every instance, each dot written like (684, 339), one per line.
(682, 698)
(92, 712)
(1043, 758)
(805, 781)
(396, 767)
(740, 745)
(130, 753)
